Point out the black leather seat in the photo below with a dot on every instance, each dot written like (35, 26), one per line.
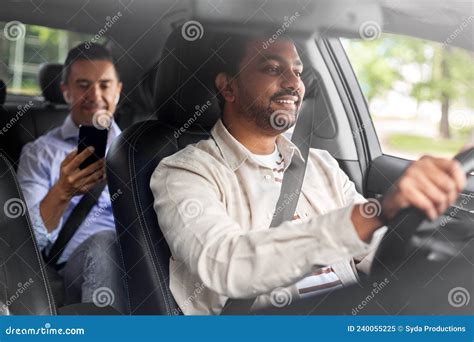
(24, 289)
(31, 120)
(24, 284)
(184, 85)
(134, 156)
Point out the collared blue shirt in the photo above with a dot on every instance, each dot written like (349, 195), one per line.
(39, 170)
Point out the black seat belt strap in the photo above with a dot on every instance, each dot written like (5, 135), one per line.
(78, 215)
(289, 193)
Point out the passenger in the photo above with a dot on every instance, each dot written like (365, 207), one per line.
(215, 199)
(53, 183)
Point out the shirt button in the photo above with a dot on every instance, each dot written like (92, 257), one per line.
(267, 177)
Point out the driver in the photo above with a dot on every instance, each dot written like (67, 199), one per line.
(215, 199)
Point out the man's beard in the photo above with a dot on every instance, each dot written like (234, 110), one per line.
(268, 119)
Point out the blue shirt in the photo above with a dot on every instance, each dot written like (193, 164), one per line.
(39, 170)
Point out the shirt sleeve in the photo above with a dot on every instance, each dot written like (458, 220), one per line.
(235, 261)
(34, 178)
(362, 262)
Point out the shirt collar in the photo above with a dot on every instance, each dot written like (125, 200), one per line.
(235, 154)
(69, 129)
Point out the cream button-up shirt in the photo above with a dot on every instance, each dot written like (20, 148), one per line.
(215, 204)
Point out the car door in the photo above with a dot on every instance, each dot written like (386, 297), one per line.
(402, 120)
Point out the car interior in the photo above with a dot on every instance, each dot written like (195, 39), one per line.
(167, 79)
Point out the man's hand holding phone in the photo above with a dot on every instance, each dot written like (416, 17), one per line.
(72, 181)
(75, 181)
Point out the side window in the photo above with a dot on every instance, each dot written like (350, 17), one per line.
(419, 93)
(24, 47)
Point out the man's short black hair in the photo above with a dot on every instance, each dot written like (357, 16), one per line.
(231, 53)
(85, 51)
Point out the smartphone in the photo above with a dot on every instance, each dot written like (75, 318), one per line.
(91, 136)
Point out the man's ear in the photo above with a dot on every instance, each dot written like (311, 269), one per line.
(223, 84)
(65, 94)
(119, 89)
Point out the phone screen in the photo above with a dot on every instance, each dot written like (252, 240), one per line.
(91, 136)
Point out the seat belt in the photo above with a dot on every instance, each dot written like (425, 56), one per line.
(78, 215)
(289, 193)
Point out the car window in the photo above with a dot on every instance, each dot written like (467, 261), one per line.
(419, 93)
(24, 47)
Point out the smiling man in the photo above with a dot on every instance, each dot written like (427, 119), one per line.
(53, 183)
(215, 199)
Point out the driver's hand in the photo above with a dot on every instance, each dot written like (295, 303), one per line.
(74, 181)
(430, 184)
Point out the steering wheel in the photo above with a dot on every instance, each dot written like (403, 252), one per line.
(396, 242)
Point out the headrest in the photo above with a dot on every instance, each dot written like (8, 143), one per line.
(3, 92)
(184, 84)
(49, 78)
